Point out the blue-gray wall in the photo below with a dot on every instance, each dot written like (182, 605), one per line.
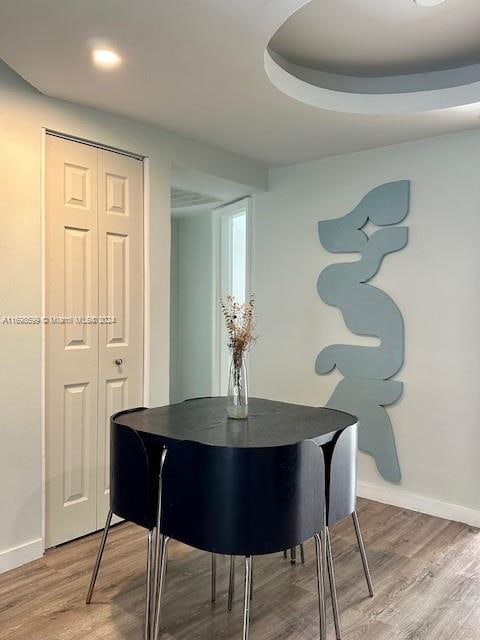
(191, 312)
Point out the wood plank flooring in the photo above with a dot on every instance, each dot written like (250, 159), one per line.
(426, 573)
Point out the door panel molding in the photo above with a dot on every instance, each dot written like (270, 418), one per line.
(118, 290)
(75, 450)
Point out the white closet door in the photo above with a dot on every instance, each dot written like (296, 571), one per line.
(120, 228)
(94, 364)
(71, 348)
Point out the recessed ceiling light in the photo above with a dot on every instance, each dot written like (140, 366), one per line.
(428, 3)
(106, 58)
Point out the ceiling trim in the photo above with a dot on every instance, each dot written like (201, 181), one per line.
(397, 94)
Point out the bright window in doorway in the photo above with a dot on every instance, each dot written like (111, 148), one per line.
(234, 249)
(238, 231)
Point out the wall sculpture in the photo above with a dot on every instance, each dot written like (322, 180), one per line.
(367, 386)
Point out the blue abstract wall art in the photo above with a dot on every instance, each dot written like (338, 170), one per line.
(367, 386)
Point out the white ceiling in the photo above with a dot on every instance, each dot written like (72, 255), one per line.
(196, 67)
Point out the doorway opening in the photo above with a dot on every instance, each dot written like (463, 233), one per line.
(210, 260)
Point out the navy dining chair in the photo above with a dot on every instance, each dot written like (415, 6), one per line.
(134, 469)
(133, 496)
(341, 502)
(341, 483)
(243, 502)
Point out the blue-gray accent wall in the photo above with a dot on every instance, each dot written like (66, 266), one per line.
(368, 311)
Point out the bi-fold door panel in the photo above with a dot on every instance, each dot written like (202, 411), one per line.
(94, 339)
(120, 216)
(72, 344)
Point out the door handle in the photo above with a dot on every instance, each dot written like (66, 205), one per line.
(118, 362)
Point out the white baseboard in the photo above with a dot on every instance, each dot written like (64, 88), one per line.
(398, 497)
(15, 557)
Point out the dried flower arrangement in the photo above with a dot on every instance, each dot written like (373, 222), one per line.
(240, 323)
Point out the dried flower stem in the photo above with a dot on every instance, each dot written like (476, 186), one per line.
(240, 323)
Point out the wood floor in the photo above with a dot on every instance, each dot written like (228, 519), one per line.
(426, 573)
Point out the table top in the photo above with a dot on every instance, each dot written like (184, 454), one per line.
(269, 423)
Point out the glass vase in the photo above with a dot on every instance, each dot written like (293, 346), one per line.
(237, 400)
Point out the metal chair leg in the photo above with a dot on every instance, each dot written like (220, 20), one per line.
(333, 588)
(150, 561)
(214, 577)
(158, 539)
(293, 555)
(320, 547)
(302, 554)
(231, 583)
(246, 605)
(251, 579)
(162, 561)
(99, 557)
(363, 553)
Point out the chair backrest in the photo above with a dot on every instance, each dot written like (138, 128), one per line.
(133, 476)
(243, 501)
(341, 477)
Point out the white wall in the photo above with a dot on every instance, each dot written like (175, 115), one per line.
(23, 113)
(435, 283)
(192, 307)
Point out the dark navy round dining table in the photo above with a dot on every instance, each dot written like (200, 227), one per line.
(269, 423)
